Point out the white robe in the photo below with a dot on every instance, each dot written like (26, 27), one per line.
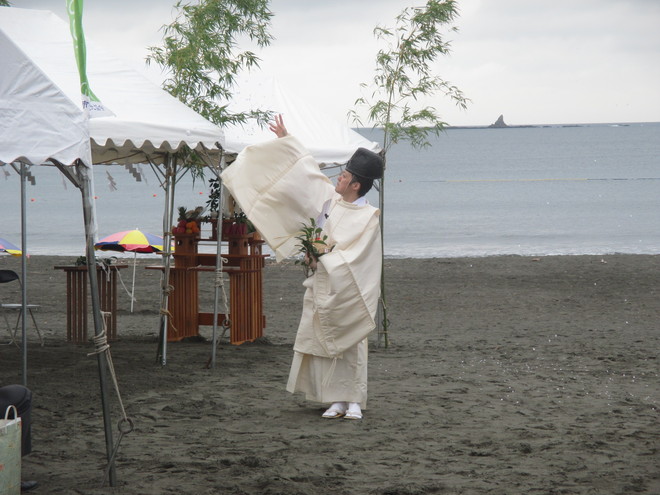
(280, 187)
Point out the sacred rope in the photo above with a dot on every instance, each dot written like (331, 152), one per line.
(125, 424)
(220, 282)
(121, 280)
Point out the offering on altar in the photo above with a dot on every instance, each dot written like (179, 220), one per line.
(189, 221)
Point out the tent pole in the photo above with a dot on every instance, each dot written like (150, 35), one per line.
(133, 285)
(23, 273)
(170, 180)
(84, 173)
(218, 273)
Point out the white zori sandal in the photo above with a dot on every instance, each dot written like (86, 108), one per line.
(336, 410)
(354, 411)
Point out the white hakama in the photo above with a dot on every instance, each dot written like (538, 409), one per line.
(322, 381)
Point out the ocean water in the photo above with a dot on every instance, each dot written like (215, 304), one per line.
(592, 189)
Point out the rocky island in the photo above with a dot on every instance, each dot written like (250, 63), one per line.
(499, 122)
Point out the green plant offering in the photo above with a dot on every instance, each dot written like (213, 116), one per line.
(311, 238)
(241, 217)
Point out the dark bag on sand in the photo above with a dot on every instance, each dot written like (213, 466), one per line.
(10, 454)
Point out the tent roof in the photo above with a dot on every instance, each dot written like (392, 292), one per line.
(32, 105)
(329, 141)
(147, 120)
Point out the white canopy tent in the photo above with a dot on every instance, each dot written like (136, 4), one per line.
(330, 142)
(148, 123)
(43, 123)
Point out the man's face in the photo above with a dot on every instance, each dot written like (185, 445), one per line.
(343, 182)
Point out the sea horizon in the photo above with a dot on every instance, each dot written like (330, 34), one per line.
(523, 190)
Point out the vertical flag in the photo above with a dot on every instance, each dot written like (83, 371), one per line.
(92, 108)
(91, 104)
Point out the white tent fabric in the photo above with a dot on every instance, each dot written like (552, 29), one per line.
(147, 120)
(329, 141)
(39, 121)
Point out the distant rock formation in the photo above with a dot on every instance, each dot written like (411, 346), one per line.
(499, 122)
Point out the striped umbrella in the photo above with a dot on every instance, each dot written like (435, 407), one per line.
(9, 248)
(135, 241)
(131, 240)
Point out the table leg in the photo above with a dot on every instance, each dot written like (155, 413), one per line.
(76, 306)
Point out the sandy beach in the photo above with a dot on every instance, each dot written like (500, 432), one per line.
(504, 375)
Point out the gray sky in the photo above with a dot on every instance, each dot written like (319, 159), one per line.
(535, 61)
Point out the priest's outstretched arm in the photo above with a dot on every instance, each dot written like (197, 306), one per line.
(279, 186)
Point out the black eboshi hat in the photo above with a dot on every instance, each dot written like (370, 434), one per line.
(366, 164)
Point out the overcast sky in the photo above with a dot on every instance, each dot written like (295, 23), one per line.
(535, 61)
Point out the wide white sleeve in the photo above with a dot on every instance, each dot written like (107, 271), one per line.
(279, 186)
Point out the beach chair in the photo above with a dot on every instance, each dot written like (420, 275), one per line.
(7, 276)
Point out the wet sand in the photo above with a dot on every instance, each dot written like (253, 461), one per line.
(504, 375)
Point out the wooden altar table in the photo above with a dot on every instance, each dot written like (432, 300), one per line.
(76, 299)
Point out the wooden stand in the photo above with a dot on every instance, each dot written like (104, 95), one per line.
(245, 268)
(76, 300)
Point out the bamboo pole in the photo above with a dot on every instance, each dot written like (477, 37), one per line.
(24, 253)
(382, 301)
(89, 215)
(218, 271)
(169, 185)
